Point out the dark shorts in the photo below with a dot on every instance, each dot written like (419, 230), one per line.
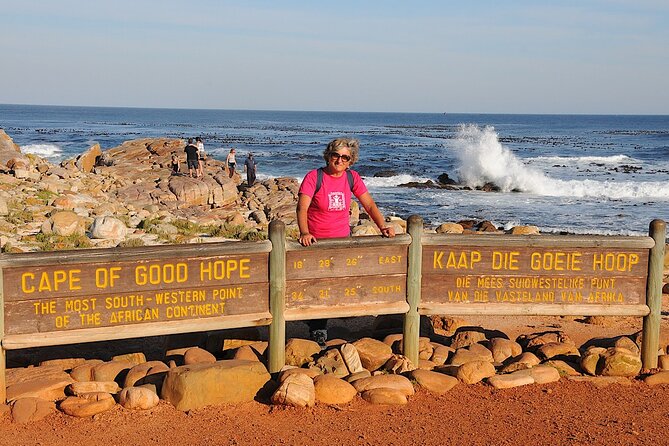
(193, 164)
(231, 165)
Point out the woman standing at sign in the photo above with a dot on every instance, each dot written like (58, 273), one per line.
(324, 203)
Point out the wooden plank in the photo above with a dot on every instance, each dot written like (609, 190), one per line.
(349, 291)
(522, 260)
(533, 310)
(351, 242)
(346, 262)
(112, 255)
(104, 310)
(540, 290)
(48, 281)
(369, 309)
(13, 342)
(538, 241)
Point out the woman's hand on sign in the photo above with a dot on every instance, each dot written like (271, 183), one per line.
(307, 239)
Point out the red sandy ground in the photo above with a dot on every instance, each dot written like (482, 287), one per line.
(562, 413)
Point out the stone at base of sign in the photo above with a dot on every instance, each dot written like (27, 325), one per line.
(51, 389)
(229, 381)
(296, 390)
(663, 362)
(138, 398)
(373, 354)
(658, 378)
(515, 379)
(80, 388)
(333, 390)
(88, 404)
(301, 351)
(434, 382)
(384, 395)
(396, 382)
(25, 410)
(475, 371)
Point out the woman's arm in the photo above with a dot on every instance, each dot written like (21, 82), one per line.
(303, 203)
(373, 211)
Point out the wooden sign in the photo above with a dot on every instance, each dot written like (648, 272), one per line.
(534, 275)
(336, 277)
(51, 295)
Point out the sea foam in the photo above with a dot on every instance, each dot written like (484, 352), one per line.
(483, 159)
(43, 150)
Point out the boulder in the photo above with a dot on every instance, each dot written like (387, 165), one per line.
(108, 371)
(475, 371)
(514, 379)
(51, 388)
(30, 409)
(86, 161)
(620, 362)
(396, 382)
(466, 338)
(331, 362)
(525, 361)
(108, 227)
(551, 349)
(197, 355)
(88, 404)
(434, 382)
(475, 352)
(301, 351)
(525, 230)
(373, 354)
(450, 228)
(351, 358)
(385, 396)
(332, 390)
(138, 398)
(79, 388)
(311, 373)
(657, 378)
(140, 371)
(503, 349)
(296, 390)
(8, 149)
(398, 365)
(230, 381)
(64, 223)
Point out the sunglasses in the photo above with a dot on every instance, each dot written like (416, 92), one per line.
(335, 156)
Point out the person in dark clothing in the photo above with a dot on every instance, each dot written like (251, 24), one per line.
(192, 158)
(250, 166)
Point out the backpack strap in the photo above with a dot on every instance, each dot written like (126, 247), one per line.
(319, 179)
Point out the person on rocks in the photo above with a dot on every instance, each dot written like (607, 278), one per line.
(250, 167)
(231, 162)
(324, 202)
(191, 158)
(176, 164)
(202, 156)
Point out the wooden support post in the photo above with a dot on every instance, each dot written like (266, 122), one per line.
(414, 267)
(277, 296)
(651, 323)
(3, 359)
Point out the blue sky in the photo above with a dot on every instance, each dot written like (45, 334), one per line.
(607, 56)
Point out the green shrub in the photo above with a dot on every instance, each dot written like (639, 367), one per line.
(52, 242)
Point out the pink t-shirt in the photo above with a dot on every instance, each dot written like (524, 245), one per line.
(327, 215)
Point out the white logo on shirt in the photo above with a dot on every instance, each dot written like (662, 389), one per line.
(336, 201)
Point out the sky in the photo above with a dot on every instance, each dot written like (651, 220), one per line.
(482, 56)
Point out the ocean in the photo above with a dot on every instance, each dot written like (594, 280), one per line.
(604, 174)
